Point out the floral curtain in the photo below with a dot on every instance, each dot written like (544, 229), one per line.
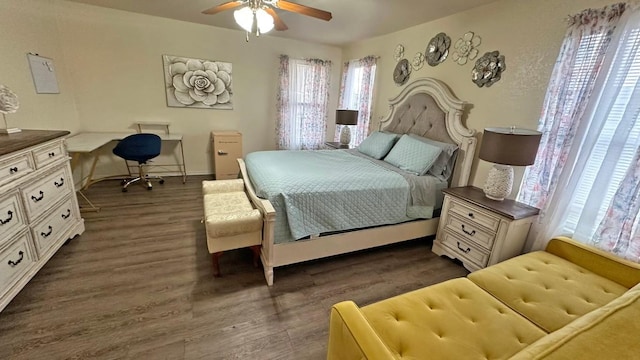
(302, 103)
(356, 93)
(618, 232)
(549, 183)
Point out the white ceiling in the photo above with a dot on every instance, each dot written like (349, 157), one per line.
(353, 20)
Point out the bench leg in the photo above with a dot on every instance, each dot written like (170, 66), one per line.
(216, 264)
(256, 254)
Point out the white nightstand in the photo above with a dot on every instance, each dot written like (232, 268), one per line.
(479, 231)
(330, 145)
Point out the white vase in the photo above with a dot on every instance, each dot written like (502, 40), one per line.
(499, 182)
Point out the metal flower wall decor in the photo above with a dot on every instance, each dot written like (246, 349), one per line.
(466, 48)
(198, 83)
(437, 49)
(488, 69)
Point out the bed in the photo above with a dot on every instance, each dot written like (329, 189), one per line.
(347, 201)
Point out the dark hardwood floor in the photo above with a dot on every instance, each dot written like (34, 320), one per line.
(138, 285)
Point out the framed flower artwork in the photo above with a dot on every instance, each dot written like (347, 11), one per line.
(198, 83)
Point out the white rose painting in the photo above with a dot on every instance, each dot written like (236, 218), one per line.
(197, 83)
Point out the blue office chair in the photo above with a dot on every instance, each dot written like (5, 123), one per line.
(140, 148)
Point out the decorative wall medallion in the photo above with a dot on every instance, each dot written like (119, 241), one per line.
(488, 69)
(197, 83)
(402, 72)
(398, 53)
(437, 49)
(418, 61)
(466, 48)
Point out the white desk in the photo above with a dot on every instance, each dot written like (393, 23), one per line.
(89, 142)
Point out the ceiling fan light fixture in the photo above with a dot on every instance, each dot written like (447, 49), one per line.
(244, 18)
(264, 20)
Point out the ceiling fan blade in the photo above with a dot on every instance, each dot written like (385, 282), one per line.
(304, 10)
(277, 21)
(222, 7)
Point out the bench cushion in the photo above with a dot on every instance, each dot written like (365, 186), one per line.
(546, 289)
(451, 320)
(230, 213)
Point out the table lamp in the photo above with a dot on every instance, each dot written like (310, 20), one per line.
(346, 118)
(506, 147)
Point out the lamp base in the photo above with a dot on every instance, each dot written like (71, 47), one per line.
(345, 135)
(499, 182)
(10, 131)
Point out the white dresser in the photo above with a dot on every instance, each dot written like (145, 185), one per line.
(38, 206)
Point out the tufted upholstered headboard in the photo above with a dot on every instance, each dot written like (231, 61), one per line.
(426, 107)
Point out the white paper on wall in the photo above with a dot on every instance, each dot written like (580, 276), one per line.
(44, 74)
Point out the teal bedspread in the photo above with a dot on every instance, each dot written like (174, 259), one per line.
(315, 192)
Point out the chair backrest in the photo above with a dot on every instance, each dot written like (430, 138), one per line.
(139, 147)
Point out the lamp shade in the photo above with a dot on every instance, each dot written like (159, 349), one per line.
(510, 146)
(347, 117)
(244, 18)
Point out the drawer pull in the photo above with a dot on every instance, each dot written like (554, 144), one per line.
(471, 215)
(66, 216)
(52, 154)
(15, 263)
(59, 184)
(13, 170)
(46, 234)
(466, 251)
(221, 153)
(10, 216)
(36, 199)
(470, 233)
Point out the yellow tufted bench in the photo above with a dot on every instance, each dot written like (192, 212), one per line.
(568, 302)
(230, 220)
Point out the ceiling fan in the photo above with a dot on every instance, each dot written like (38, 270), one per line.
(262, 13)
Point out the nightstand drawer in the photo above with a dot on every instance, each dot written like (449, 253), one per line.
(474, 214)
(470, 231)
(466, 250)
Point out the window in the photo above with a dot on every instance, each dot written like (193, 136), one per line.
(302, 103)
(358, 81)
(617, 141)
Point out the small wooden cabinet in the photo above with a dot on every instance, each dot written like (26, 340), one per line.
(227, 148)
(479, 231)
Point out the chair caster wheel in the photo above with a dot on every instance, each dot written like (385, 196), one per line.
(124, 190)
(161, 181)
(123, 181)
(149, 187)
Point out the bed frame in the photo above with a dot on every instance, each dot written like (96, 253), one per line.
(425, 107)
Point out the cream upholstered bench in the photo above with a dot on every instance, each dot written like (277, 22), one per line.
(230, 220)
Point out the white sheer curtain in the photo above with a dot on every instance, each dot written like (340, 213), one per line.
(303, 99)
(356, 93)
(603, 139)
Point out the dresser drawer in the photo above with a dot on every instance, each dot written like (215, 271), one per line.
(43, 193)
(49, 153)
(47, 231)
(15, 260)
(15, 167)
(475, 214)
(470, 231)
(11, 217)
(466, 250)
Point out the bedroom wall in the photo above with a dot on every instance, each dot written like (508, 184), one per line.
(528, 33)
(115, 74)
(34, 29)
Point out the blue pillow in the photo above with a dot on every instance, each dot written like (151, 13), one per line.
(443, 166)
(378, 144)
(413, 155)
